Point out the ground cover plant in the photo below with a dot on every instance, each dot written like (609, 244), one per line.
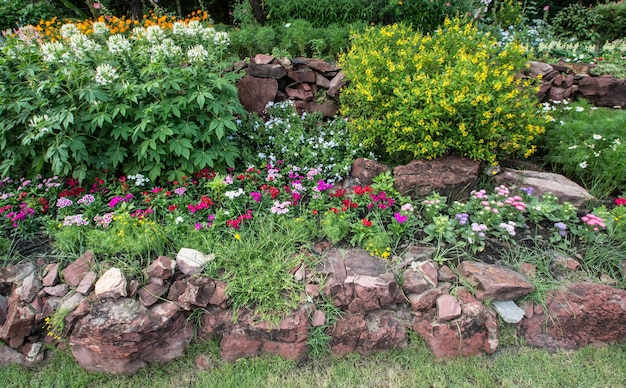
(260, 216)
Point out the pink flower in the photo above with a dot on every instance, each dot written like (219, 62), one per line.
(400, 218)
(546, 8)
(96, 5)
(620, 201)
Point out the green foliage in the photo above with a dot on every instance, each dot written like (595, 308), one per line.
(587, 152)
(156, 103)
(422, 15)
(419, 96)
(254, 39)
(611, 21)
(14, 13)
(256, 264)
(577, 21)
(306, 141)
(320, 13)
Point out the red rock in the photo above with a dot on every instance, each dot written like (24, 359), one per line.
(270, 71)
(365, 170)
(4, 308)
(428, 269)
(449, 175)
(74, 273)
(318, 319)
(556, 93)
(52, 275)
(58, 290)
(162, 268)
(14, 275)
(299, 91)
(567, 263)
(302, 75)
(321, 66)
(474, 332)
(358, 281)
(578, 315)
(492, 281)
(112, 284)
(425, 300)
(30, 287)
(322, 81)
(256, 93)
(414, 283)
(375, 331)
(151, 293)
(312, 290)
(262, 59)
(9, 356)
(121, 336)
(335, 84)
(448, 308)
(19, 322)
(219, 297)
(197, 292)
(604, 91)
(445, 274)
(86, 285)
(328, 108)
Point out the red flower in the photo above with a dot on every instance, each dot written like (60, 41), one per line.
(366, 222)
(360, 190)
(339, 193)
(172, 208)
(314, 211)
(620, 201)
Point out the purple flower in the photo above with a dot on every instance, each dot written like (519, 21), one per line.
(87, 200)
(256, 196)
(400, 218)
(462, 217)
(64, 202)
(527, 190)
(323, 186)
(180, 190)
(561, 227)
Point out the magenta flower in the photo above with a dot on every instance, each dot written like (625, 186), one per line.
(400, 218)
(256, 196)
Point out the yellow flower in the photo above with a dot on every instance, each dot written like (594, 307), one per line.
(237, 236)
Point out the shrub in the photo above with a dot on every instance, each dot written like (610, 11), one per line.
(14, 14)
(154, 102)
(591, 154)
(612, 21)
(419, 96)
(577, 21)
(301, 140)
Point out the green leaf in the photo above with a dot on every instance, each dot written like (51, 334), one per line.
(200, 100)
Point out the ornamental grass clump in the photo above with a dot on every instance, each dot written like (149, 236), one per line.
(421, 96)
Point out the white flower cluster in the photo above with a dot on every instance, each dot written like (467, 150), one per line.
(197, 54)
(166, 49)
(81, 44)
(54, 52)
(140, 179)
(105, 74)
(232, 194)
(119, 44)
(154, 34)
(221, 39)
(68, 30)
(193, 29)
(100, 28)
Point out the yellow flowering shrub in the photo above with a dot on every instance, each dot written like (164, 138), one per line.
(415, 96)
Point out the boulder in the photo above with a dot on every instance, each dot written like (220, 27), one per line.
(449, 175)
(10, 356)
(448, 308)
(365, 170)
(425, 300)
(494, 281)
(367, 333)
(577, 315)
(151, 293)
(75, 271)
(545, 182)
(121, 336)
(86, 285)
(358, 281)
(413, 282)
(249, 338)
(255, 93)
(4, 309)
(335, 85)
(604, 91)
(270, 70)
(474, 332)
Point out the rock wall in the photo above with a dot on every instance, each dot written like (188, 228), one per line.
(117, 326)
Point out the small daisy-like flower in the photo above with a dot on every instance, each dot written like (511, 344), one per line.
(106, 74)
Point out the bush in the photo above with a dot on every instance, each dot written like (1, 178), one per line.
(418, 96)
(14, 14)
(577, 21)
(612, 21)
(303, 140)
(153, 102)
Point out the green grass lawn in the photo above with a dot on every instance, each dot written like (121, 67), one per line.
(411, 367)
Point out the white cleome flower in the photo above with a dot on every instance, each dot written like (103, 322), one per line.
(52, 51)
(582, 164)
(154, 34)
(106, 74)
(597, 137)
(69, 29)
(197, 54)
(221, 39)
(119, 44)
(100, 28)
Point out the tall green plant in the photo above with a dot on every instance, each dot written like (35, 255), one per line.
(156, 102)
